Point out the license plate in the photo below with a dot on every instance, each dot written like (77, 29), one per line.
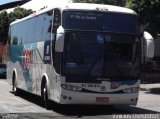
(102, 99)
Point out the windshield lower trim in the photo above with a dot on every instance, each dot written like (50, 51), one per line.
(107, 32)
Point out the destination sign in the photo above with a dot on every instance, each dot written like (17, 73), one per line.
(100, 21)
(82, 17)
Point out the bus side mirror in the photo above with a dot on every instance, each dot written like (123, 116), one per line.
(149, 45)
(59, 44)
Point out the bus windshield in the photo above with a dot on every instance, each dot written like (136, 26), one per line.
(100, 21)
(101, 55)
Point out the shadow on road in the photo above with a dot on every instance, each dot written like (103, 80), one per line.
(155, 90)
(86, 110)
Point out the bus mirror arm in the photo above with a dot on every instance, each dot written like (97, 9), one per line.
(59, 44)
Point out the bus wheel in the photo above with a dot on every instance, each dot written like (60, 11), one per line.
(44, 94)
(14, 84)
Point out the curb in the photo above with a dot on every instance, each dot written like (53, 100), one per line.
(155, 90)
(151, 90)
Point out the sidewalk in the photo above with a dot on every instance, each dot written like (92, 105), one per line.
(152, 88)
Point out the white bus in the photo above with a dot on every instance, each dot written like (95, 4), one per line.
(77, 53)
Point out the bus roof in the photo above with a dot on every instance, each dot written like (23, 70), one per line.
(81, 6)
(99, 7)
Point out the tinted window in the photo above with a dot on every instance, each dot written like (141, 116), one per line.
(47, 25)
(9, 35)
(19, 32)
(14, 34)
(102, 55)
(57, 19)
(31, 29)
(25, 31)
(39, 28)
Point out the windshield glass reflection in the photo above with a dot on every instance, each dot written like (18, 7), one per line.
(100, 55)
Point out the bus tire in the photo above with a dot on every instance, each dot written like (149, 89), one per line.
(44, 96)
(14, 85)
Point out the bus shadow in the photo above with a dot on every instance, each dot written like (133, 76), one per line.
(86, 110)
(154, 91)
(98, 110)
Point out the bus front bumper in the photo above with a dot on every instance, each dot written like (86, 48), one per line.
(71, 97)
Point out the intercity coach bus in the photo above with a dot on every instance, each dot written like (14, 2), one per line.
(78, 53)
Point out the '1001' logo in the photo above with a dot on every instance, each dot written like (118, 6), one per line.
(26, 58)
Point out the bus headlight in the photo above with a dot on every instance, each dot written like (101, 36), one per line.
(131, 90)
(71, 87)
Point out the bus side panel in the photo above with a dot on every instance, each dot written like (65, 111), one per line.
(26, 61)
(55, 85)
(42, 67)
(36, 70)
(15, 65)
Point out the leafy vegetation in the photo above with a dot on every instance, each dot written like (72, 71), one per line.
(149, 13)
(3, 27)
(18, 13)
(7, 18)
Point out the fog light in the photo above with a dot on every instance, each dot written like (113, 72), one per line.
(71, 87)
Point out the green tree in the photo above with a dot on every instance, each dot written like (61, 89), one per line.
(7, 18)
(148, 11)
(18, 13)
(3, 27)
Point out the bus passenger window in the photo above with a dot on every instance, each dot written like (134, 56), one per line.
(47, 25)
(57, 19)
(14, 38)
(19, 33)
(39, 28)
(31, 30)
(25, 32)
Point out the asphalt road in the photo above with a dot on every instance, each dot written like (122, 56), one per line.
(28, 106)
